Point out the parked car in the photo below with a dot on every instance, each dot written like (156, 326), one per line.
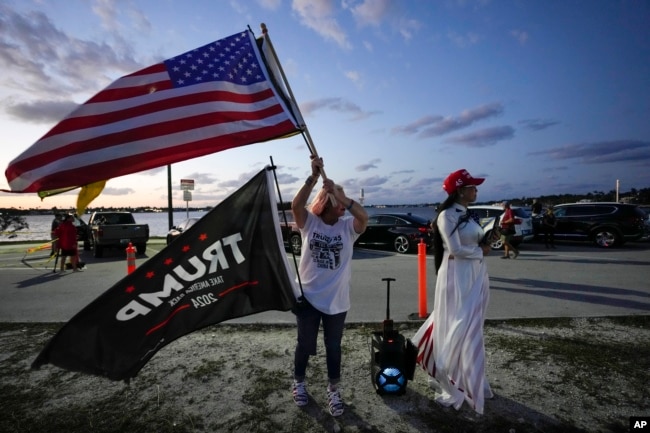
(180, 228)
(488, 215)
(110, 229)
(398, 231)
(290, 232)
(606, 224)
(646, 209)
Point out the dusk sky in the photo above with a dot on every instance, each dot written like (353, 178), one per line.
(539, 97)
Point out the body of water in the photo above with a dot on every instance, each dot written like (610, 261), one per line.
(39, 225)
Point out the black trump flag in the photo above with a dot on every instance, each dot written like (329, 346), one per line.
(229, 264)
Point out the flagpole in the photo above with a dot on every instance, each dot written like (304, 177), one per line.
(305, 130)
(170, 210)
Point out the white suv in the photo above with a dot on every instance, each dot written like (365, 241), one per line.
(523, 223)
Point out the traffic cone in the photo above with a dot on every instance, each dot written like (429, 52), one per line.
(130, 258)
(422, 279)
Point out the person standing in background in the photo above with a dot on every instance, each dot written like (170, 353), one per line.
(536, 215)
(55, 243)
(549, 222)
(508, 231)
(536, 209)
(67, 234)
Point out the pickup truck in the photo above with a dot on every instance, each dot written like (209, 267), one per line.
(116, 230)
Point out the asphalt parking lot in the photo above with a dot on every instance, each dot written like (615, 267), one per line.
(575, 280)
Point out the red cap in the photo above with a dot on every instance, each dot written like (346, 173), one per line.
(459, 179)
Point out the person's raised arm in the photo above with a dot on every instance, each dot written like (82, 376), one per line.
(299, 202)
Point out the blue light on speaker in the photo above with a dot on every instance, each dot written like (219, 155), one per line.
(391, 380)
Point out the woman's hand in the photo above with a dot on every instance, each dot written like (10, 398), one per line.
(328, 185)
(316, 166)
(337, 192)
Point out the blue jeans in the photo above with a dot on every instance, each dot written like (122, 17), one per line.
(309, 319)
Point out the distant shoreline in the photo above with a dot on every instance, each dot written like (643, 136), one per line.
(38, 211)
(521, 202)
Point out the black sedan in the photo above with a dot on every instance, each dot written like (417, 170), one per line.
(401, 232)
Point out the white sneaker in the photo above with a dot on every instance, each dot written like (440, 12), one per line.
(299, 391)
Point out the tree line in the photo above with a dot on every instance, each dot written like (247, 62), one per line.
(636, 196)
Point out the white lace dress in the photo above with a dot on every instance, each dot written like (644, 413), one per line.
(450, 342)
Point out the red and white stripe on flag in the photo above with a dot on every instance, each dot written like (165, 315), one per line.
(210, 99)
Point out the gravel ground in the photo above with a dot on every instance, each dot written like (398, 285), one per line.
(566, 375)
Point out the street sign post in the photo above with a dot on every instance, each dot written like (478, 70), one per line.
(187, 185)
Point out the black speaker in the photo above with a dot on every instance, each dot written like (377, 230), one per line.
(392, 358)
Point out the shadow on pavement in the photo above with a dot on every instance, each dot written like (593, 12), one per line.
(574, 292)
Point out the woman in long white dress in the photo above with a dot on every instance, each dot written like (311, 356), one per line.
(450, 342)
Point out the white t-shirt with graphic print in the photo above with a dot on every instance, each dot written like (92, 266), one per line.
(325, 263)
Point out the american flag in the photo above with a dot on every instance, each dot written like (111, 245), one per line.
(210, 99)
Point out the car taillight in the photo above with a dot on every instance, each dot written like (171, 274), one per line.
(635, 220)
(423, 230)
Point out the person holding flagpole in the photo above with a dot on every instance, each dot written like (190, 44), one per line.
(328, 238)
(450, 342)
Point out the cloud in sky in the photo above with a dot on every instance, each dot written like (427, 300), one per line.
(601, 152)
(437, 125)
(371, 12)
(287, 178)
(45, 112)
(355, 77)
(266, 4)
(383, 86)
(484, 137)
(416, 126)
(322, 17)
(201, 178)
(370, 181)
(369, 165)
(538, 124)
(52, 64)
(112, 14)
(319, 15)
(464, 120)
(372, 185)
(338, 105)
(118, 191)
